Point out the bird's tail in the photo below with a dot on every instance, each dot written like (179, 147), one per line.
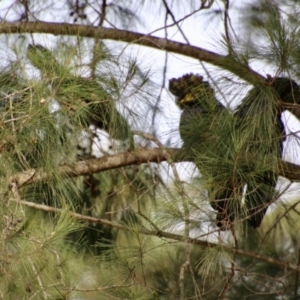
(259, 195)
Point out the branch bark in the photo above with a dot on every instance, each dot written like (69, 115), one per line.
(226, 62)
(145, 155)
(164, 234)
(96, 165)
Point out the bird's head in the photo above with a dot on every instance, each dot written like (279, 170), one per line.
(190, 90)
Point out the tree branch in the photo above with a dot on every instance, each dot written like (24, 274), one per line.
(222, 61)
(145, 155)
(225, 62)
(164, 234)
(97, 165)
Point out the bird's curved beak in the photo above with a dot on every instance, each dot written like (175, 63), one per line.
(184, 101)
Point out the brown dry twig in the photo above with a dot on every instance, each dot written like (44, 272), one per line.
(166, 235)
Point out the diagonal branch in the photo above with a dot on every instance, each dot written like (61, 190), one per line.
(140, 156)
(223, 61)
(96, 165)
(164, 234)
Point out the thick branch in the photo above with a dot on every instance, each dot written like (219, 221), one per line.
(97, 165)
(224, 62)
(144, 155)
(164, 234)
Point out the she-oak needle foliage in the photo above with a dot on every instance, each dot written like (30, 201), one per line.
(44, 118)
(227, 232)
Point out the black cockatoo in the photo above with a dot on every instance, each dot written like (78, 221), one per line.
(260, 125)
(234, 150)
(261, 133)
(203, 122)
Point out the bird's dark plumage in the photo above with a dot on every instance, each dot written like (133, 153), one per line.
(287, 89)
(260, 126)
(247, 158)
(259, 117)
(202, 113)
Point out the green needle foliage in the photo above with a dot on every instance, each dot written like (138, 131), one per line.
(84, 99)
(42, 119)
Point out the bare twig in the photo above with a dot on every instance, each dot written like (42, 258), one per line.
(196, 287)
(103, 12)
(164, 76)
(273, 226)
(167, 235)
(169, 12)
(226, 27)
(115, 286)
(38, 278)
(226, 285)
(15, 191)
(208, 5)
